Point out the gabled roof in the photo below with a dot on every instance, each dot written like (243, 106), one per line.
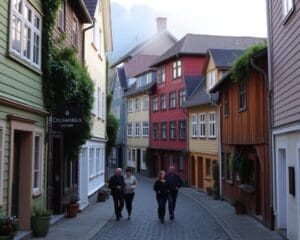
(122, 78)
(195, 44)
(138, 65)
(200, 96)
(141, 45)
(91, 6)
(224, 58)
(143, 89)
(191, 83)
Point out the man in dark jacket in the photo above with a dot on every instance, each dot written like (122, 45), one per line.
(116, 184)
(174, 181)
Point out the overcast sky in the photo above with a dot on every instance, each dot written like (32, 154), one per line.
(218, 17)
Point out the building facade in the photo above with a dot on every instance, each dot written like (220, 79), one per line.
(63, 172)
(97, 41)
(284, 68)
(23, 119)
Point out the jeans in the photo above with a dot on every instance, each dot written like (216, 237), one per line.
(119, 204)
(161, 200)
(172, 196)
(128, 201)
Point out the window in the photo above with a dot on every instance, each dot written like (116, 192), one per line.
(133, 155)
(155, 104)
(242, 96)
(182, 130)
(92, 163)
(163, 102)
(146, 103)
(172, 100)
(129, 155)
(129, 105)
(288, 7)
(129, 129)
(37, 169)
(161, 74)
(137, 129)
(212, 124)
(173, 130)
(163, 131)
(98, 161)
(207, 167)
(155, 131)
(75, 32)
(181, 163)
(176, 69)
(182, 97)
(211, 78)
(194, 125)
(1, 159)
(202, 125)
(226, 102)
(229, 167)
(61, 16)
(25, 33)
(137, 105)
(145, 129)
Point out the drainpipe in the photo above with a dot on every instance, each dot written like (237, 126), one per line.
(270, 120)
(83, 39)
(219, 145)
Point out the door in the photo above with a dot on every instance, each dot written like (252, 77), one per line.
(138, 163)
(200, 172)
(282, 189)
(193, 171)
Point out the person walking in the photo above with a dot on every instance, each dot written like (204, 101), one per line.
(174, 181)
(130, 185)
(117, 184)
(161, 188)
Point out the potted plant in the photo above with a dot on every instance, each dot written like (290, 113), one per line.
(8, 228)
(239, 206)
(103, 194)
(72, 206)
(41, 221)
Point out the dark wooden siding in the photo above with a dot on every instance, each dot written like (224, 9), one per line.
(285, 46)
(250, 126)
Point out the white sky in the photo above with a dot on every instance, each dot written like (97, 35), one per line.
(219, 17)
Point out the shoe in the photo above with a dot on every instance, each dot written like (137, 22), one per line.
(172, 217)
(118, 219)
(129, 217)
(162, 220)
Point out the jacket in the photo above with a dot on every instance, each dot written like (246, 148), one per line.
(174, 181)
(116, 184)
(161, 188)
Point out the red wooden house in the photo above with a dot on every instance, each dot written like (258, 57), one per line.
(244, 139)
(179, 71)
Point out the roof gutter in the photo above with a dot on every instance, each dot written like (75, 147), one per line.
(83, 38)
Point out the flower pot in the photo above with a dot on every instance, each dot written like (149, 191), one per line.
(40, 226)
(72, 210)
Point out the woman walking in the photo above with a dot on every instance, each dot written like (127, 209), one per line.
(130, 185)
(162, 189)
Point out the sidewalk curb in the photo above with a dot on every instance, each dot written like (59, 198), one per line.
(221, 223)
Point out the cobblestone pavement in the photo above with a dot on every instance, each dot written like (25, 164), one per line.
(191, 220)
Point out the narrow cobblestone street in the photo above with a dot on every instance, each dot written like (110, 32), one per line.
(191, 222)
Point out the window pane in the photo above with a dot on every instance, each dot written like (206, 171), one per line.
(37, 159)
(98, 160)
(18, 5)
(16, 34)
(28, 14)
(36, 49)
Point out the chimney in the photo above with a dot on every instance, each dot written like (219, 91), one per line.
(161, 24)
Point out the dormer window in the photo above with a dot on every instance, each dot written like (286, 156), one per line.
(211, 79)
(176, 69)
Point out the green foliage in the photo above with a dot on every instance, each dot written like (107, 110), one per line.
(240, 68)
(216, 174)
(41, 212)
(112, 131)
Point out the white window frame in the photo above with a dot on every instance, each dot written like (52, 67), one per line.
(176, 69)
(146, 103)
(137, 105)
(155, 103)
(212, 79)
(130, 110)
(172, 101)
(129, 154)
(212, 124)
(288, 7)
(145, 128)
(163, 102)
(202, 125)
(182, 97)
(2, 149)
(194, 125)
(38, 190)
(34, 32)
(129, 129)
(161, 74)
(92, 162)
(137, 129)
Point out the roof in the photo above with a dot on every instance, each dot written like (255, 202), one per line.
(81, 11)
(191, 83)
(224, 58)
(200, 96)
(138, 65)
(91, 6)
(133, 90)
(141, 45)
(195, 44)
(122, 78)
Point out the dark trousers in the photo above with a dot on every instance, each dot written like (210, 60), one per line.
(119, 204)
(161, 200)
(128, 201)
(172, 197)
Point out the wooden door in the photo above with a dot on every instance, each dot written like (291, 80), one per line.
(200, 172)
